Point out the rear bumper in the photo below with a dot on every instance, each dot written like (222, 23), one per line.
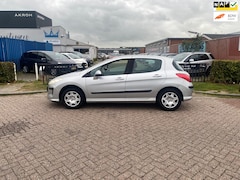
(186, 98)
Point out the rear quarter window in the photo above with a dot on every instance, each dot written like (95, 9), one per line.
(177, 66)
(211, 56)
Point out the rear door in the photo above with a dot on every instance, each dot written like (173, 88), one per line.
(146, 79)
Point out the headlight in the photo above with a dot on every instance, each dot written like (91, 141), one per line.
(55, 80)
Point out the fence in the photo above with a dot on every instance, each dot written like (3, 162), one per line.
(198, 72)
(49, 71)
(12, 49)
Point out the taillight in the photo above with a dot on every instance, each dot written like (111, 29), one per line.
(184, 76)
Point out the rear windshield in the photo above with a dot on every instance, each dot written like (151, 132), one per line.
(177, 66)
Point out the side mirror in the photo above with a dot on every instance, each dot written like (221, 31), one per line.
(191, 60)
(98, 73)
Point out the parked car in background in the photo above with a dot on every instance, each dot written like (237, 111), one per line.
(194, 60)
(133, 78)
(81, 62)
(103, 56)
(85, 56)
(48, 58)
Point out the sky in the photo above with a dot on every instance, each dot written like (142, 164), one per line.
(126, 23)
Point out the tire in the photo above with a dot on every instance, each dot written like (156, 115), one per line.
(25, 69)
(73, 98)
(169, 99)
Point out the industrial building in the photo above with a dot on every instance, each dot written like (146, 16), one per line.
(33, 26)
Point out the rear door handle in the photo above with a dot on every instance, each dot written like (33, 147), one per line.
(157, 75)
(119, 79)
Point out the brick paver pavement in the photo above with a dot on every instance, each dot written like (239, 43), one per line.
(43, 140)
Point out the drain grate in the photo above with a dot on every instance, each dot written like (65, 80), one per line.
(13, 128)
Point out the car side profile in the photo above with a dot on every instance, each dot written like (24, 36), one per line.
(132, 78)
(29, 58)
(191, 60)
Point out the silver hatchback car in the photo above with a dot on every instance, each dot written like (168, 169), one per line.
(133, 78)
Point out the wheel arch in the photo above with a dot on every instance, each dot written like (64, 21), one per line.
(168, 88)
(70, 86)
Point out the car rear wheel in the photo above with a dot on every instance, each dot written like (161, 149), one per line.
(73, 98)
(25, 69)
(169, 99)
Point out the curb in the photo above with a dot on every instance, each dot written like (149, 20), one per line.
(45, 91)
(217, 94)
(21, 93)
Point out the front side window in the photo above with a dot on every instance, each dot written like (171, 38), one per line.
(113, 68)
(146, 65)
(194, 57)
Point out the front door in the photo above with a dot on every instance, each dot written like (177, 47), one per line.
(108, 86)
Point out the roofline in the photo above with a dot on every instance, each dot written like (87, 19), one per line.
(166, 39)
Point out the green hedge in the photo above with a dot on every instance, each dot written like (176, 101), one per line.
(7, 72)
(225, 71)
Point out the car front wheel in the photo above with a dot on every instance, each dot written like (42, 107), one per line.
(73, 98)
(169, 99)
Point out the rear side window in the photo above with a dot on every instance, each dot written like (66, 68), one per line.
(31, 55)
(146, 65)
(203, 57)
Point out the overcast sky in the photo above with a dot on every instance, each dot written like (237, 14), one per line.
(119, 23)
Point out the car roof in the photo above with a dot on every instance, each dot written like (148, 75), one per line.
(196, 52)
(164, 58)
(141, 56)
(39, 51)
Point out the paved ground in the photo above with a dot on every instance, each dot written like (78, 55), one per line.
(43, 140)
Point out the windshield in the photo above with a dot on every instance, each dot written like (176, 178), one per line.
(180, 57)
(73, 56)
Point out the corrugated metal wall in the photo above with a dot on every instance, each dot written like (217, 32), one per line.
(12, 49)
(226, 48)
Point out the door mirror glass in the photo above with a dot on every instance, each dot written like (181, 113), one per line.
(98, 73)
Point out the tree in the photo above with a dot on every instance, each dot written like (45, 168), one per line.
(195, 44)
